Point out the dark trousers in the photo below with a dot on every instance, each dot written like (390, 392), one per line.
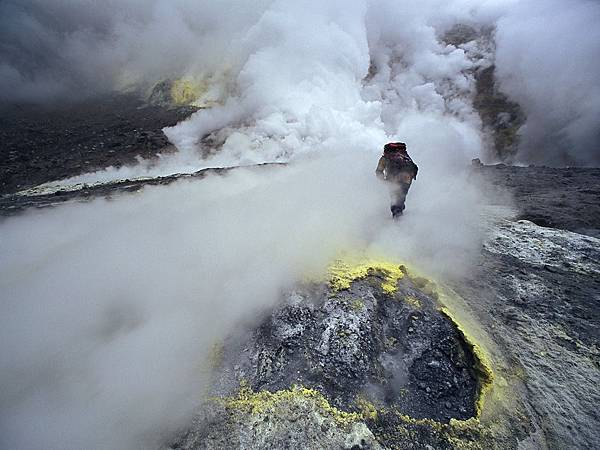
(398, 193)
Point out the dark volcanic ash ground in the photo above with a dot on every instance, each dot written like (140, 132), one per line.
(46, 143)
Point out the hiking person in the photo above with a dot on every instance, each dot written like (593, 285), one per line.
(396, 167)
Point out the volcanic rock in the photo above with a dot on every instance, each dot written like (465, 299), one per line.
(368, 356)
(537, 290)
(52, 142)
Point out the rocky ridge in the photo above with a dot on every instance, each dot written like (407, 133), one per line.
(48, 143)
(369, 359)
(37, 198)
(537, 291)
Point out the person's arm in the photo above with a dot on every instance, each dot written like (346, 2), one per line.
(411, 167)
(380, 169)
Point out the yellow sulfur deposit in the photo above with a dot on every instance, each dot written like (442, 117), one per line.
(186, 91)
(264, 401)
(343, 273)
(367, 409)
(482, 363)
(413, 301)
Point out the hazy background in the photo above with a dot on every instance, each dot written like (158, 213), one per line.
(546, 55)
(110, 308)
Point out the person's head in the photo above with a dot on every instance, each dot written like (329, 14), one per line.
(394, 147)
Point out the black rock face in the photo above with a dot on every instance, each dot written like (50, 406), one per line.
(501, 117)
(394, 350)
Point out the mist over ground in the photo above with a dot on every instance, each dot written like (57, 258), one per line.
(547, 61)
(110, 309)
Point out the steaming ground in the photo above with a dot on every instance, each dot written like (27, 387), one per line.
(111, 308)
(289, 79)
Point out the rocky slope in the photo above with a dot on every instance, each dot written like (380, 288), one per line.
(367, 359)
(562, 198)
(47, 143)
(537, 290)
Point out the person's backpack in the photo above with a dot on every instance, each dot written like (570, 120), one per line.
(401, 162)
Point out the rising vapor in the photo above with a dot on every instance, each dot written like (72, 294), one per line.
(545, 58)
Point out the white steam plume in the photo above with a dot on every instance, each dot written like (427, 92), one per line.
(302, 87)
(548, 59)
(109, 309)
(56, 49)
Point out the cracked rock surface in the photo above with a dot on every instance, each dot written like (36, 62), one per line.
(364, 349)
(538, 292)
(393, 349)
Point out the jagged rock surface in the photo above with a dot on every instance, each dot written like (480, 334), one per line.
(538, 292)
(393, 349)
(384, 354)
(293, 419)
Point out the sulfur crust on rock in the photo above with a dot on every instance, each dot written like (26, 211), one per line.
(343, 273)
(482, 364)
(413, 301)
(458, 434)
(461, 434)
(186, 91)
(368, 410)
(468, 434)
(252, 402)
(449, 430)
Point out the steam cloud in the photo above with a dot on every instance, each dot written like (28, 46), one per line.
(110, 309)
(64, 49)
(547, 60)
(546, 53)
